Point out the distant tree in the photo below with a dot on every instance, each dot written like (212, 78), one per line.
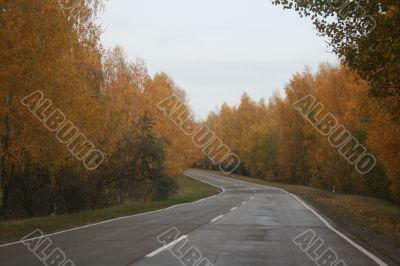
(276, 143)
(365, 35)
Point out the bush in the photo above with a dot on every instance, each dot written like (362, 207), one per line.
(164, 187)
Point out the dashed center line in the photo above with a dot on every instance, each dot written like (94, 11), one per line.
(234, 208)
(152, 254)
(217, 218)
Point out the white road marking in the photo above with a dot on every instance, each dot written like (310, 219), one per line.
(234, 208)
(223, 190)
(351, 242)
(217, 218)
(161, 249)
(243, 202)
(119, 218)
(252, 197)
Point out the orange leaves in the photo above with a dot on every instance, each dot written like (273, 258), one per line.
(275, 142)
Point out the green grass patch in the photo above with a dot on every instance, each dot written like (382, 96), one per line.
(189, 190)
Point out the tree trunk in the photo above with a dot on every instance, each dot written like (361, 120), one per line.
(4, 144)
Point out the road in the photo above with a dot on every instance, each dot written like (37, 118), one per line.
(247, 224)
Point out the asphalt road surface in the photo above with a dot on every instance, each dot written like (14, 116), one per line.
(247, 224)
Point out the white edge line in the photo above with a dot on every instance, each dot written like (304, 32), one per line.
(351, 242)
(119, 218)
(217, 218)
(223, 190)
(155, 252)
(234, 208)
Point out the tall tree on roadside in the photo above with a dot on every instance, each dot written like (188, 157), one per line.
(365, 35)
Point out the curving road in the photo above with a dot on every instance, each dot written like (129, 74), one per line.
(247, 224)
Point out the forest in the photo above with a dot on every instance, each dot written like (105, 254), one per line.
(276, 143)
(113, 102)
(108, 98)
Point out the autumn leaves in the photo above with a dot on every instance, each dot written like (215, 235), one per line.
(203, 138)
(66, 132)
(325, 131)
(337, 135)
(100, 139)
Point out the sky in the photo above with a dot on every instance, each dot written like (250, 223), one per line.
(216, 49)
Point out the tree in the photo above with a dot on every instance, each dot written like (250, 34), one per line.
(275, 142)
(365, 35)
(42, 47)
(54, 49)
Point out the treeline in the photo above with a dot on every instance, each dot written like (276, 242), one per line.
(275, 142)
(47, 47)
(54, 49)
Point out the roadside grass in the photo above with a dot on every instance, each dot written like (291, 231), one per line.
(189, 190)
(375, 222)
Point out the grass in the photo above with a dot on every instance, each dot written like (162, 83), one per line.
(375, 222)
(189, 190)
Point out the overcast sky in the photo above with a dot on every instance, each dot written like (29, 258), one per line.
(216, 49)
